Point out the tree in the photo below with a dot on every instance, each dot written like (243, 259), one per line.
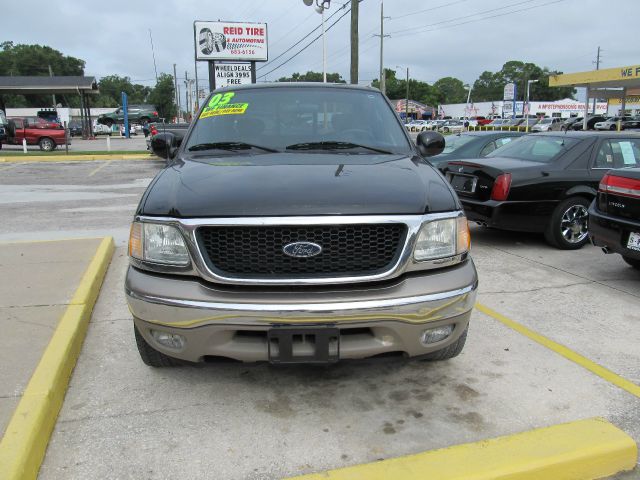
(489, 86)
(313, 77)
(163, 97)
(35, 60)
(451, 90)
(112, 86)
(396, 88)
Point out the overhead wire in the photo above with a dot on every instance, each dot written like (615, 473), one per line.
(287, 50)
(399, 34)
(306, 46)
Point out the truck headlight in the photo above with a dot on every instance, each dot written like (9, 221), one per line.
(156, 243)
(442, 238)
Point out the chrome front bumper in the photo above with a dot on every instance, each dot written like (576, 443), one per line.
(385, 317)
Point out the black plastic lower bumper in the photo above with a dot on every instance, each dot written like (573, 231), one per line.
(612, 232)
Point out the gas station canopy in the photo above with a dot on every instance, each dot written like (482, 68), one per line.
(608, 83)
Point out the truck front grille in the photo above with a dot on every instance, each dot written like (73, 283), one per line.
(257, 251)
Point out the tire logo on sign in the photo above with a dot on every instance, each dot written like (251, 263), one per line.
(210, 41)
(302, 249)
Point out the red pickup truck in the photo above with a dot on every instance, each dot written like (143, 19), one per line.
(39, 132)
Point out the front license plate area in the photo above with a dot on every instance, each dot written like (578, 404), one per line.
(464, 183)
(303, 345)
(634, 241)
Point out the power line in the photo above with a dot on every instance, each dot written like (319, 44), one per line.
(301, 40)
(420, 27)
(477, 19)
(308, 45)
(428, 10)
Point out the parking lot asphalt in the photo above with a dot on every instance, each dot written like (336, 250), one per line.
(122, 419)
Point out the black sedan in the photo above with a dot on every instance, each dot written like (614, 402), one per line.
(472, 145)
(543, 182)
(614, 216)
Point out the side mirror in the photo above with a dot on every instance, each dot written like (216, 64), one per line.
(165, 145)
(430, 143)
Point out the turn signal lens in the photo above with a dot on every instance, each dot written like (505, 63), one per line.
(135, 241)
(501, 187)
(464, 236)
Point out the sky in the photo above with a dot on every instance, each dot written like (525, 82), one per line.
(433, 38)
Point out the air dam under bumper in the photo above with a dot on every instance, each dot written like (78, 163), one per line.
(233, 322)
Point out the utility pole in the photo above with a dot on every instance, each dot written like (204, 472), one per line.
(382, 35)
(177, 95)
(354, 41)
(53, 97)
(597, 62)
(186, 92)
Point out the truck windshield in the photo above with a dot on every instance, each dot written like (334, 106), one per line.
(3, 118)
(299, 119)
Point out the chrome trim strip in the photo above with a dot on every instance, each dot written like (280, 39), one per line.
(199, 267)
(306, 307)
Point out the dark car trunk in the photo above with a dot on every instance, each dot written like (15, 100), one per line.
(474, 179)
(625, 205)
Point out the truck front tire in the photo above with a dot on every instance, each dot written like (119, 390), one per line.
(152, 357)
(450, 351)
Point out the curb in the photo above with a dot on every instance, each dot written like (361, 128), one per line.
(586, 449)
(76, 158)
(27, 435)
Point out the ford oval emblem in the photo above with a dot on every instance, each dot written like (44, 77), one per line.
(302, 249)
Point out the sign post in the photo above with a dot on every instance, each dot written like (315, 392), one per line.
(216, 42)
(125, 109)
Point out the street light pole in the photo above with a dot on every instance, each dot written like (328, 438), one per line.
(529, 82)
(324, 50)
(406, 105)
(468, 99)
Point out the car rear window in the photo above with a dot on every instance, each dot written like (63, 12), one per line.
(536, 148)
(454, 142)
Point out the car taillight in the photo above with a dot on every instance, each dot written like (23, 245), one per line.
(628, 187)
(501, 187)
(154, 131)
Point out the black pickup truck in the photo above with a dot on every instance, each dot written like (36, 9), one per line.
(299, 223)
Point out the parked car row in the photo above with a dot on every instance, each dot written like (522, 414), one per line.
(554, 183)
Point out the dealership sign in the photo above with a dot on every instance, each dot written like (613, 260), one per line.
(510, 91)
(231, 41)
(228, 74)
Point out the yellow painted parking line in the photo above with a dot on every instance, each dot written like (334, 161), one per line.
(75, 158)
(566, 352)
(96, 170)
(586, 449)
(26, 437)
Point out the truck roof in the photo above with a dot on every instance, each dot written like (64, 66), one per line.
(261, 86)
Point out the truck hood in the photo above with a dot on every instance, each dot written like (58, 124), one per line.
(290, 184)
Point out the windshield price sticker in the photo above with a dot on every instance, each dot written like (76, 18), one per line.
(219, 105)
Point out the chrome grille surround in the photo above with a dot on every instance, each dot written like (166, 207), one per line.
(198, 267)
